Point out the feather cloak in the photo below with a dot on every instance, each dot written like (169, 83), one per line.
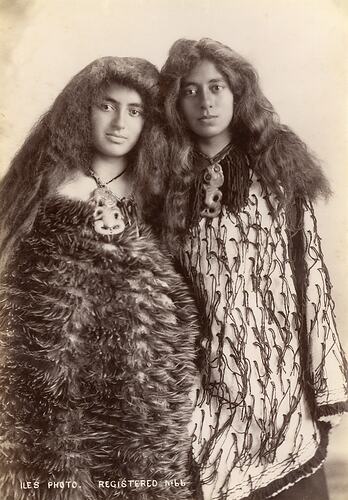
(97, 362)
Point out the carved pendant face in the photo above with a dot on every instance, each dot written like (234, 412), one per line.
(108, 216)
(213, 179)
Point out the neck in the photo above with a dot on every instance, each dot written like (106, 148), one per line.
(211, 146)
(107, 168)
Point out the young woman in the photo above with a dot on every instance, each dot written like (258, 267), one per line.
(239, 213)
(97, 330)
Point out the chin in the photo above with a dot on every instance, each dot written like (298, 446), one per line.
(116, 153)
(208, 135)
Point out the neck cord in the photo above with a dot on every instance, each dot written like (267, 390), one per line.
(218, 157)
(98, 180)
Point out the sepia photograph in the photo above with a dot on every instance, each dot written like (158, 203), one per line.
(173, 249)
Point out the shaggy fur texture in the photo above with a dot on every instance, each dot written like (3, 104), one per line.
(97, 361)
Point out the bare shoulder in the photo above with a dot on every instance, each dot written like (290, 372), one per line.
(77, 187)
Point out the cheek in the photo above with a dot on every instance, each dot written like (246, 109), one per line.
(187, 110)
(227, 105)
(232, 104)
(137, 128)
(96, 124)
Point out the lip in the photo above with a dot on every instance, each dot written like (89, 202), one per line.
(116, 137)
(207, 117)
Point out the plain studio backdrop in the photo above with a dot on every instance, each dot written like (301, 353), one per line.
(299, 48)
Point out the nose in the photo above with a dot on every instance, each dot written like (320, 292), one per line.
(206, 99)
(118, 120)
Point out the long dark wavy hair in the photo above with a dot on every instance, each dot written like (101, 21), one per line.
(277, 155)
(60, 143)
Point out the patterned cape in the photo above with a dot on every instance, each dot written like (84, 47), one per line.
(271, 362)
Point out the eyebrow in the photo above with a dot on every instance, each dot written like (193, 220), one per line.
(213, 80)
(114, 101)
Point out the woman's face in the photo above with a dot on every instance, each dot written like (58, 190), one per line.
(206, 101)
(117, 119)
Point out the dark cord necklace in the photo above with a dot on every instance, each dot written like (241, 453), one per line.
(218, 157)
(102, 183)
(116, 177)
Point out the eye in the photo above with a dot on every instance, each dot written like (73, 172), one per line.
(105, 106)
(217, 87)
(135, 112)
(189, 91)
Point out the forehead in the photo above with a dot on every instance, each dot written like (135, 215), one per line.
(204, 72)
(122, 94)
